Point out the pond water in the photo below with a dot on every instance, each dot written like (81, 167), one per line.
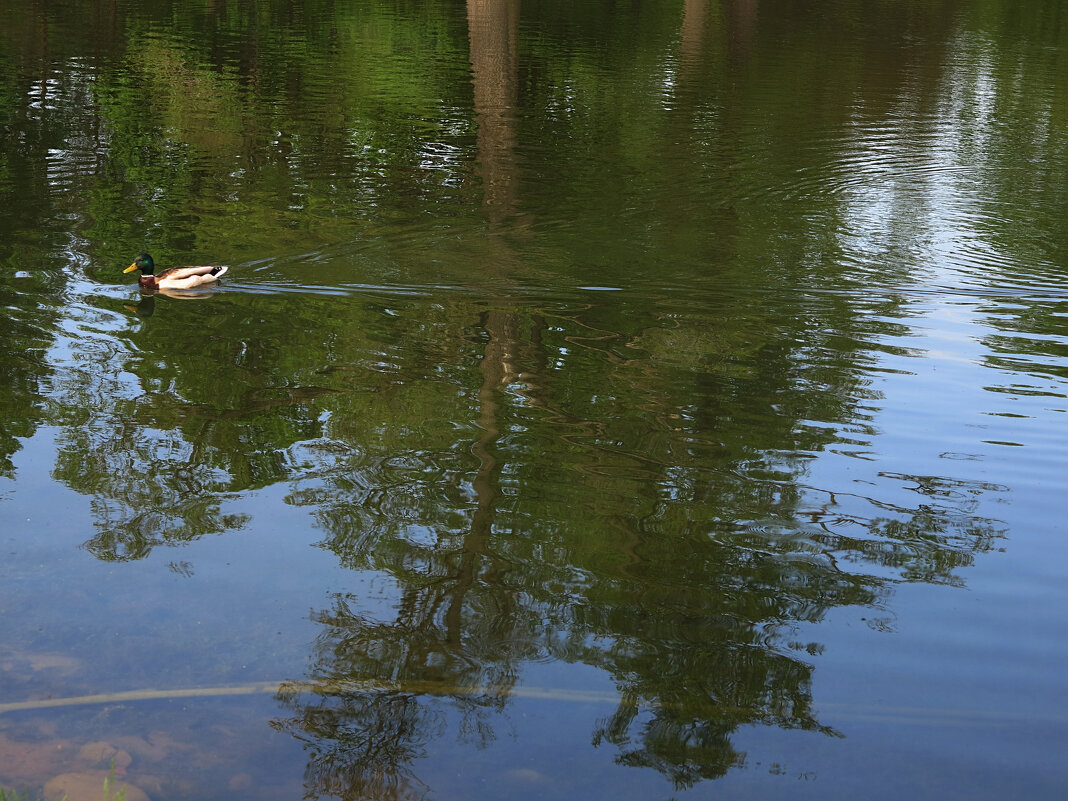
(604, 401)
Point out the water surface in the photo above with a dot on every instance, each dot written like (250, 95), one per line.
(636, 402)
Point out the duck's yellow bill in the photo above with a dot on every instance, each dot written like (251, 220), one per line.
(131, 268)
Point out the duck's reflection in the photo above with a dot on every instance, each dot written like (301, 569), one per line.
(146, 306)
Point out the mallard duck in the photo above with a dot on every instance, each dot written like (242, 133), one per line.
(174, 277)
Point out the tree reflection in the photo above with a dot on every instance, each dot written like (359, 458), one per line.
(662, 580)
(622, 483)
(361, 748)
(493, 27)
(160, 459)
(23, 371)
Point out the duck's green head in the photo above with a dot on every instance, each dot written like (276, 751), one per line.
(143, 263)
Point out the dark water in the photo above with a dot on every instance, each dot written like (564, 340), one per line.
(623, 401)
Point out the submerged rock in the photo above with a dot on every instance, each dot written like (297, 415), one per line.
(90, 786)
(103, 754)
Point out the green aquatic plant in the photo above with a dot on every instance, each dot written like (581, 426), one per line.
(109, 782)
(109, 795)
(12, 795)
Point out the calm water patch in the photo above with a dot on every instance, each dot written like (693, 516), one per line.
(655, 402)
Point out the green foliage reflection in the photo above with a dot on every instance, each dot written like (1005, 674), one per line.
(621, 480)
